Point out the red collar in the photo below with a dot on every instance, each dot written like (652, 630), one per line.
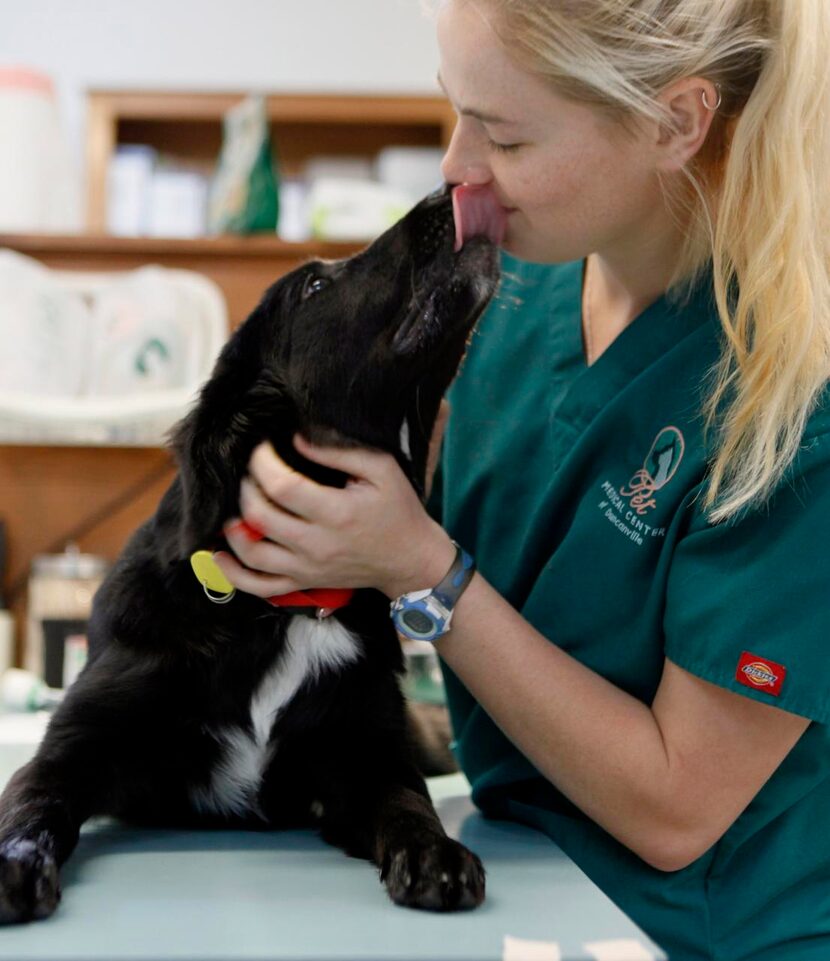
(325, 599)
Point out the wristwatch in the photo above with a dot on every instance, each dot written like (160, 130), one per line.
(426, 615)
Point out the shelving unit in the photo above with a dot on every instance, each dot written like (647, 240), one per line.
(47, 493)
(188, 126)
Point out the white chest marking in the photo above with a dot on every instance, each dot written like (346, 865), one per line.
(311, 647)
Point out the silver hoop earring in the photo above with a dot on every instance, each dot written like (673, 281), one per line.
(706, 102)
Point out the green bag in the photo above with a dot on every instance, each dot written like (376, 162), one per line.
(244, 195)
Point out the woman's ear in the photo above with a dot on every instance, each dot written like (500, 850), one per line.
(690, 105)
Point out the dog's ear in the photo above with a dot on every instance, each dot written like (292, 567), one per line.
(242, 404)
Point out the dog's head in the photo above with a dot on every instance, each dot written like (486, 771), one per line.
(352, 352)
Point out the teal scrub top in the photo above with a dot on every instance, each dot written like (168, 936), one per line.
(578, 491)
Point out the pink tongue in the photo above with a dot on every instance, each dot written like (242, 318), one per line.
(477, 212)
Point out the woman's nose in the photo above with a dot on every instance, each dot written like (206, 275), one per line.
(463, 163)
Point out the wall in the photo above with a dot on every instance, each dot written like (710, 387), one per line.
(343, 45)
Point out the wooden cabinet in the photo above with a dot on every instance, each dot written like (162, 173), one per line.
(97, 496)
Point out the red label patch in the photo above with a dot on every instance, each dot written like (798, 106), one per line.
(760, 673)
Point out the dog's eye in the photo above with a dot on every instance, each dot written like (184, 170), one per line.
(313, 285)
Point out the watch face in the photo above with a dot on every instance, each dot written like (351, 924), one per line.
(417, 622)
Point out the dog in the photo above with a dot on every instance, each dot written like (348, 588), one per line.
(191, 713)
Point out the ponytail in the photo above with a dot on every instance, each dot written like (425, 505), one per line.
(771, 258)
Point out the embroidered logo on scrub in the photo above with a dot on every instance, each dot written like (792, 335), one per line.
(760, 674)
(625, 508)
(660, 466)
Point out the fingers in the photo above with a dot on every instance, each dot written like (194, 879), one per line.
(262, 514)
(252, 582)
(358, 462)
(296, 533)
(283, 486)
(300, 495)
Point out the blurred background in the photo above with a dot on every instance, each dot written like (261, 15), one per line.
(161, 164)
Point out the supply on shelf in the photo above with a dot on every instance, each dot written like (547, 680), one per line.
(40, 190)
(244, 196)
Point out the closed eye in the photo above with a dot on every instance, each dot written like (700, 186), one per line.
(504, 147)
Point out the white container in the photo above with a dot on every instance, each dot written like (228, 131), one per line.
(177, 204)
(129, 175)
(346, 167)
(152, 337)
(354, 210)
(416, 170)
(39, 186)
(294, 224)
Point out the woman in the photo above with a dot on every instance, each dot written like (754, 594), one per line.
(637, 457)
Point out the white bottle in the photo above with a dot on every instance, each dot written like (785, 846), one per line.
(40, 188)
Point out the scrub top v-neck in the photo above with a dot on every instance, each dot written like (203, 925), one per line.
(577, 488)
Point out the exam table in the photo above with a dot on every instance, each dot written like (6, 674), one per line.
(133, 894)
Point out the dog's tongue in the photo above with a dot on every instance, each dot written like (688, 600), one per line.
(477, 212)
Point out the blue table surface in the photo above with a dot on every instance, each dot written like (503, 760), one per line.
(132, 894)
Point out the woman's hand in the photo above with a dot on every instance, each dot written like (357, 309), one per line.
(372, 533)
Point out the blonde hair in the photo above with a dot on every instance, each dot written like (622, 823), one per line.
(757, 202)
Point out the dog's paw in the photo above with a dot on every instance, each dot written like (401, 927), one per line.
(441, 875)
(29, 888)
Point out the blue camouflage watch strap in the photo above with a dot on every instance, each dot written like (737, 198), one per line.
(456, 579)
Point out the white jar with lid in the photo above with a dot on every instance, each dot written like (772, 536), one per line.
(39, 186)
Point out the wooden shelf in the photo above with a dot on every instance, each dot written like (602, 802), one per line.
(105, 245)
(242, 267)
(307, 107)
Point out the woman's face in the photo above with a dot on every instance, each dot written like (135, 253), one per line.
(572, 180)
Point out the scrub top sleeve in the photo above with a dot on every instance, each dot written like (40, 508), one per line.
(748, 602)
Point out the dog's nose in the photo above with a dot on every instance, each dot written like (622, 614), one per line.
(433, 224)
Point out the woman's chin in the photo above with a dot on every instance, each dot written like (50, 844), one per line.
(532, 253)
(538, 251)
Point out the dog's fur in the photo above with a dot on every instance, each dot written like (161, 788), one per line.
(191, 713)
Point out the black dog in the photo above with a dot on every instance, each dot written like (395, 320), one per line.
(191, 713)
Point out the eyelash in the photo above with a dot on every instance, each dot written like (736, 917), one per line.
(503, 147)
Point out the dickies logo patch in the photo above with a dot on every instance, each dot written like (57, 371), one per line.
(760, 673)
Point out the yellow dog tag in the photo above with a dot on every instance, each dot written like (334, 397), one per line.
(211, 577)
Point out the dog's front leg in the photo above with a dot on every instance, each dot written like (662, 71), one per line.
(91, 741)
(420, 866)
(395, 826)
(39, 828)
